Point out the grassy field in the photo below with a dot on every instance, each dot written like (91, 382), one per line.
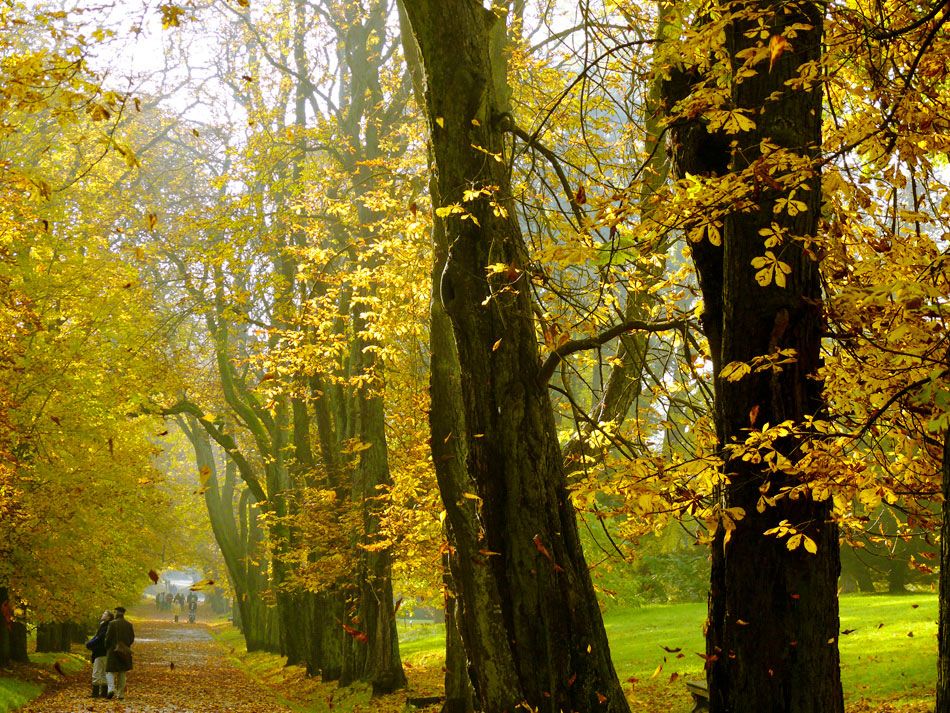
(889, 656)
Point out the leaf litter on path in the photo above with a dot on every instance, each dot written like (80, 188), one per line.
(178, 668)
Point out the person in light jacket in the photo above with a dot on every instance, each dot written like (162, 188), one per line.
(119, 632)
(97, 645)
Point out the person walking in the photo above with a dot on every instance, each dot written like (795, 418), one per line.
(192, 607)
(97, 645)
(119, 638)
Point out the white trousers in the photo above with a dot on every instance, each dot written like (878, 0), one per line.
(116, 683)
(99, 670)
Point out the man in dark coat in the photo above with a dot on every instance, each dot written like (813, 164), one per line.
(119, 638)
(97, 645)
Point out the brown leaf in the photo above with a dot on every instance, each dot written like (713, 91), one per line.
(777, 46)
(153, 575)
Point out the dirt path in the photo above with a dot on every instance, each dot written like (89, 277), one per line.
(178, 668)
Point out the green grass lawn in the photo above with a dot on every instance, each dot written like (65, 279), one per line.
(878, 662)
(14, 693)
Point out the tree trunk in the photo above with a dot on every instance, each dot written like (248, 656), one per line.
(529, 616)
(773, 615)
(943, 635)
(459, 695)
(53, 637)
(12, 633)
(852, 567)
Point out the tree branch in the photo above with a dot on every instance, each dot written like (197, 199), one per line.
(555, 162)
(226, 441)
(576, 345)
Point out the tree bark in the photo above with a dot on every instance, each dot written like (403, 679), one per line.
(773, 614)
(943, 635)
(529, 616)
(53, 637)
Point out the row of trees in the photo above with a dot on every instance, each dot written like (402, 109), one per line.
(641, 264)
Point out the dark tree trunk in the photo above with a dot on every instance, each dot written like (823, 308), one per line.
(13, 633)
(53, 637)
(18, 638)
(897, 575)
(943, 635)
(773, 614)
(529, 616)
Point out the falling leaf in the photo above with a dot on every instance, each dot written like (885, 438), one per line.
(670, 649)
(581, 196)
(197, 586)
(657, 672)
(845, 632)
(151, 220)
(58, 667)
(601, 698)
(171, 665)
(356, 634)
(674, 676)
(153, 575)
(777, 45)
(494, 347)
(753, 414)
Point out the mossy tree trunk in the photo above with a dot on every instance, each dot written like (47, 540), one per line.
(529, 618)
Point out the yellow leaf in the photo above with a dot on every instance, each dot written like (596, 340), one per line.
(810, 545)
(440, 121)
(734, 370)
